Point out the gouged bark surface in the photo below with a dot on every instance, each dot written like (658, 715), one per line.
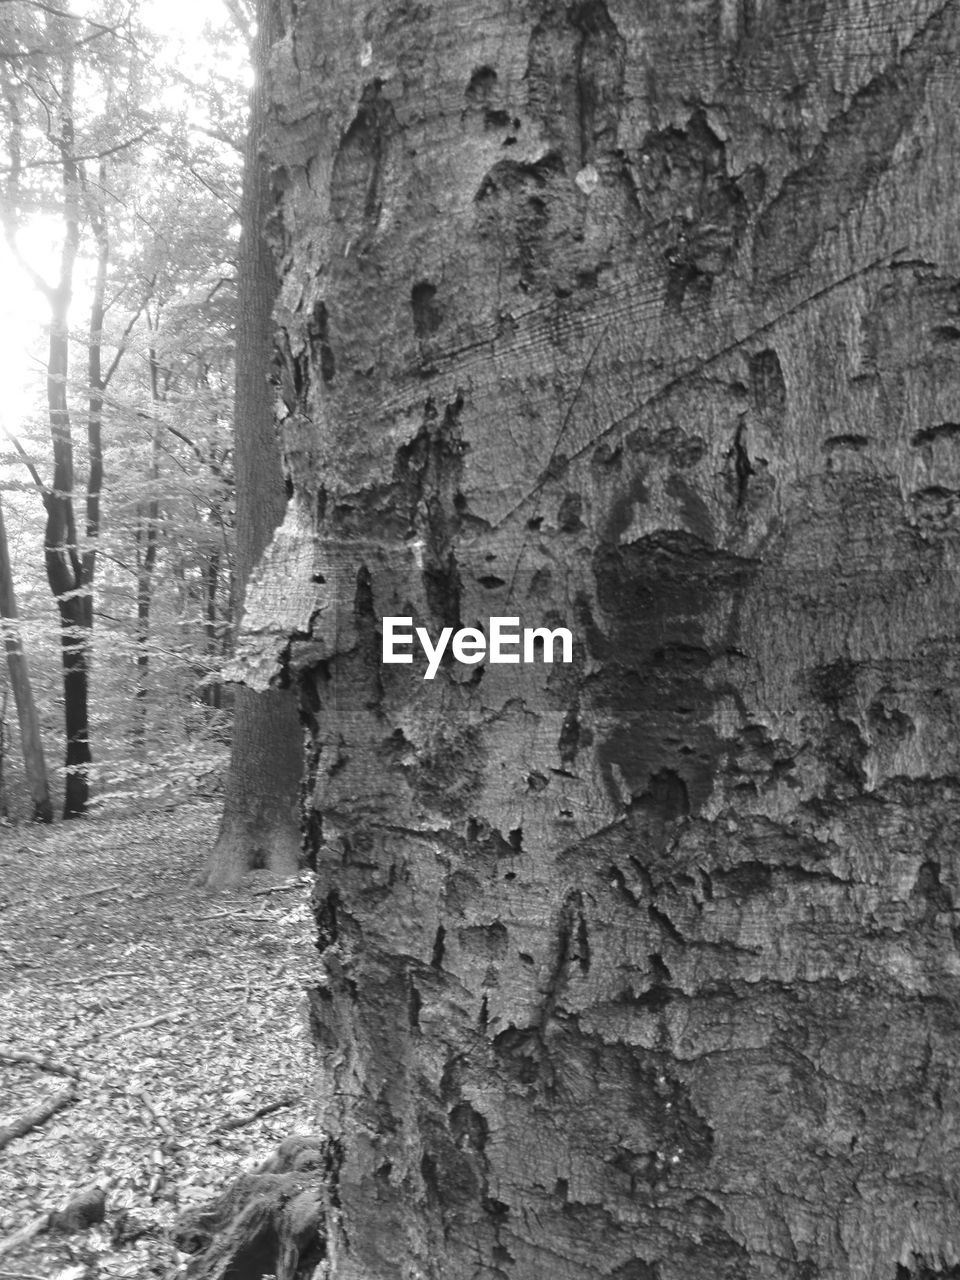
(642, 320)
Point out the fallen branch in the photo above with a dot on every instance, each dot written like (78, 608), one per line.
(25, 1234)
(293, 1100)
(37, 1115)
(45, 1064)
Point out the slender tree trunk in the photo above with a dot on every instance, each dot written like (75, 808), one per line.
(31, 741)
(147, 538)
(259, 827)
(639, 320)
(62, 556)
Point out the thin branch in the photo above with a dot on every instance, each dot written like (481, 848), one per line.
(33, 1228)
(45, 1064)
(79, 159)
(37, 1115)
(139, 1026)
(219, 135)
(294, 1100)
(25, 457)
(122, 345)
(63, 13)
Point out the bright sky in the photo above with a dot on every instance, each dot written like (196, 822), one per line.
(23, 313)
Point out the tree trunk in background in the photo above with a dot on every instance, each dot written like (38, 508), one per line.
(642, 320)
(31, 742)
(259, 827)
(64, 563)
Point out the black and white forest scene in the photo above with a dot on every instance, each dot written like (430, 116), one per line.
(480, 600)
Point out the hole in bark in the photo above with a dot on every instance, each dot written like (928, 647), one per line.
(746, 879)
(496, 1208)
(929, 887)
(536, 781)
(327, 924)
(568, 517)
(516, 839)
(468, 1126)
(941, 431)
(436, 960)
(483, 1015)
(426, 314)
(583, 945)
(363, 599)
(767, 382)
(525, 957)
(481, 82)
(318, 334)
(741, 465)
(416, 1004)
(636, 1269)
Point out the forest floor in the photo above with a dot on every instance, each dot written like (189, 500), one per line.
(178, 1010)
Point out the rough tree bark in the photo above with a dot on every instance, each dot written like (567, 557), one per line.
(260, 824)
(31, 740)
(641, 319)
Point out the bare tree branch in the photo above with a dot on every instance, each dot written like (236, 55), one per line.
(79, 159)
(26, 459)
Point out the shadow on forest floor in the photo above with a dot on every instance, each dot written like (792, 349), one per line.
(180, 1012)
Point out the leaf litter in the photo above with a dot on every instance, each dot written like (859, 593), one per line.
(180, 1013)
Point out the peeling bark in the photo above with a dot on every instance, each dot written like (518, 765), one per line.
(640, 320)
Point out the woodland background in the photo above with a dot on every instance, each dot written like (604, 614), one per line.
(141, 240)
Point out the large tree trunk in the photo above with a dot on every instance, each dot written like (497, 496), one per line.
(259, 827)
(642, 320)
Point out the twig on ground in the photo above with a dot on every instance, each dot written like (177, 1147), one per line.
(92, 980)
(156, 1179)
(25, 1234)
(294, 1100)
(162, 1124)
(45, 1064)
(136, 1026)
(278, 888)
(235, 915)
(92, 893)
(37, 1115)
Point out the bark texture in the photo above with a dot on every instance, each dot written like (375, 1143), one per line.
(644, 320)
(260, 823)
